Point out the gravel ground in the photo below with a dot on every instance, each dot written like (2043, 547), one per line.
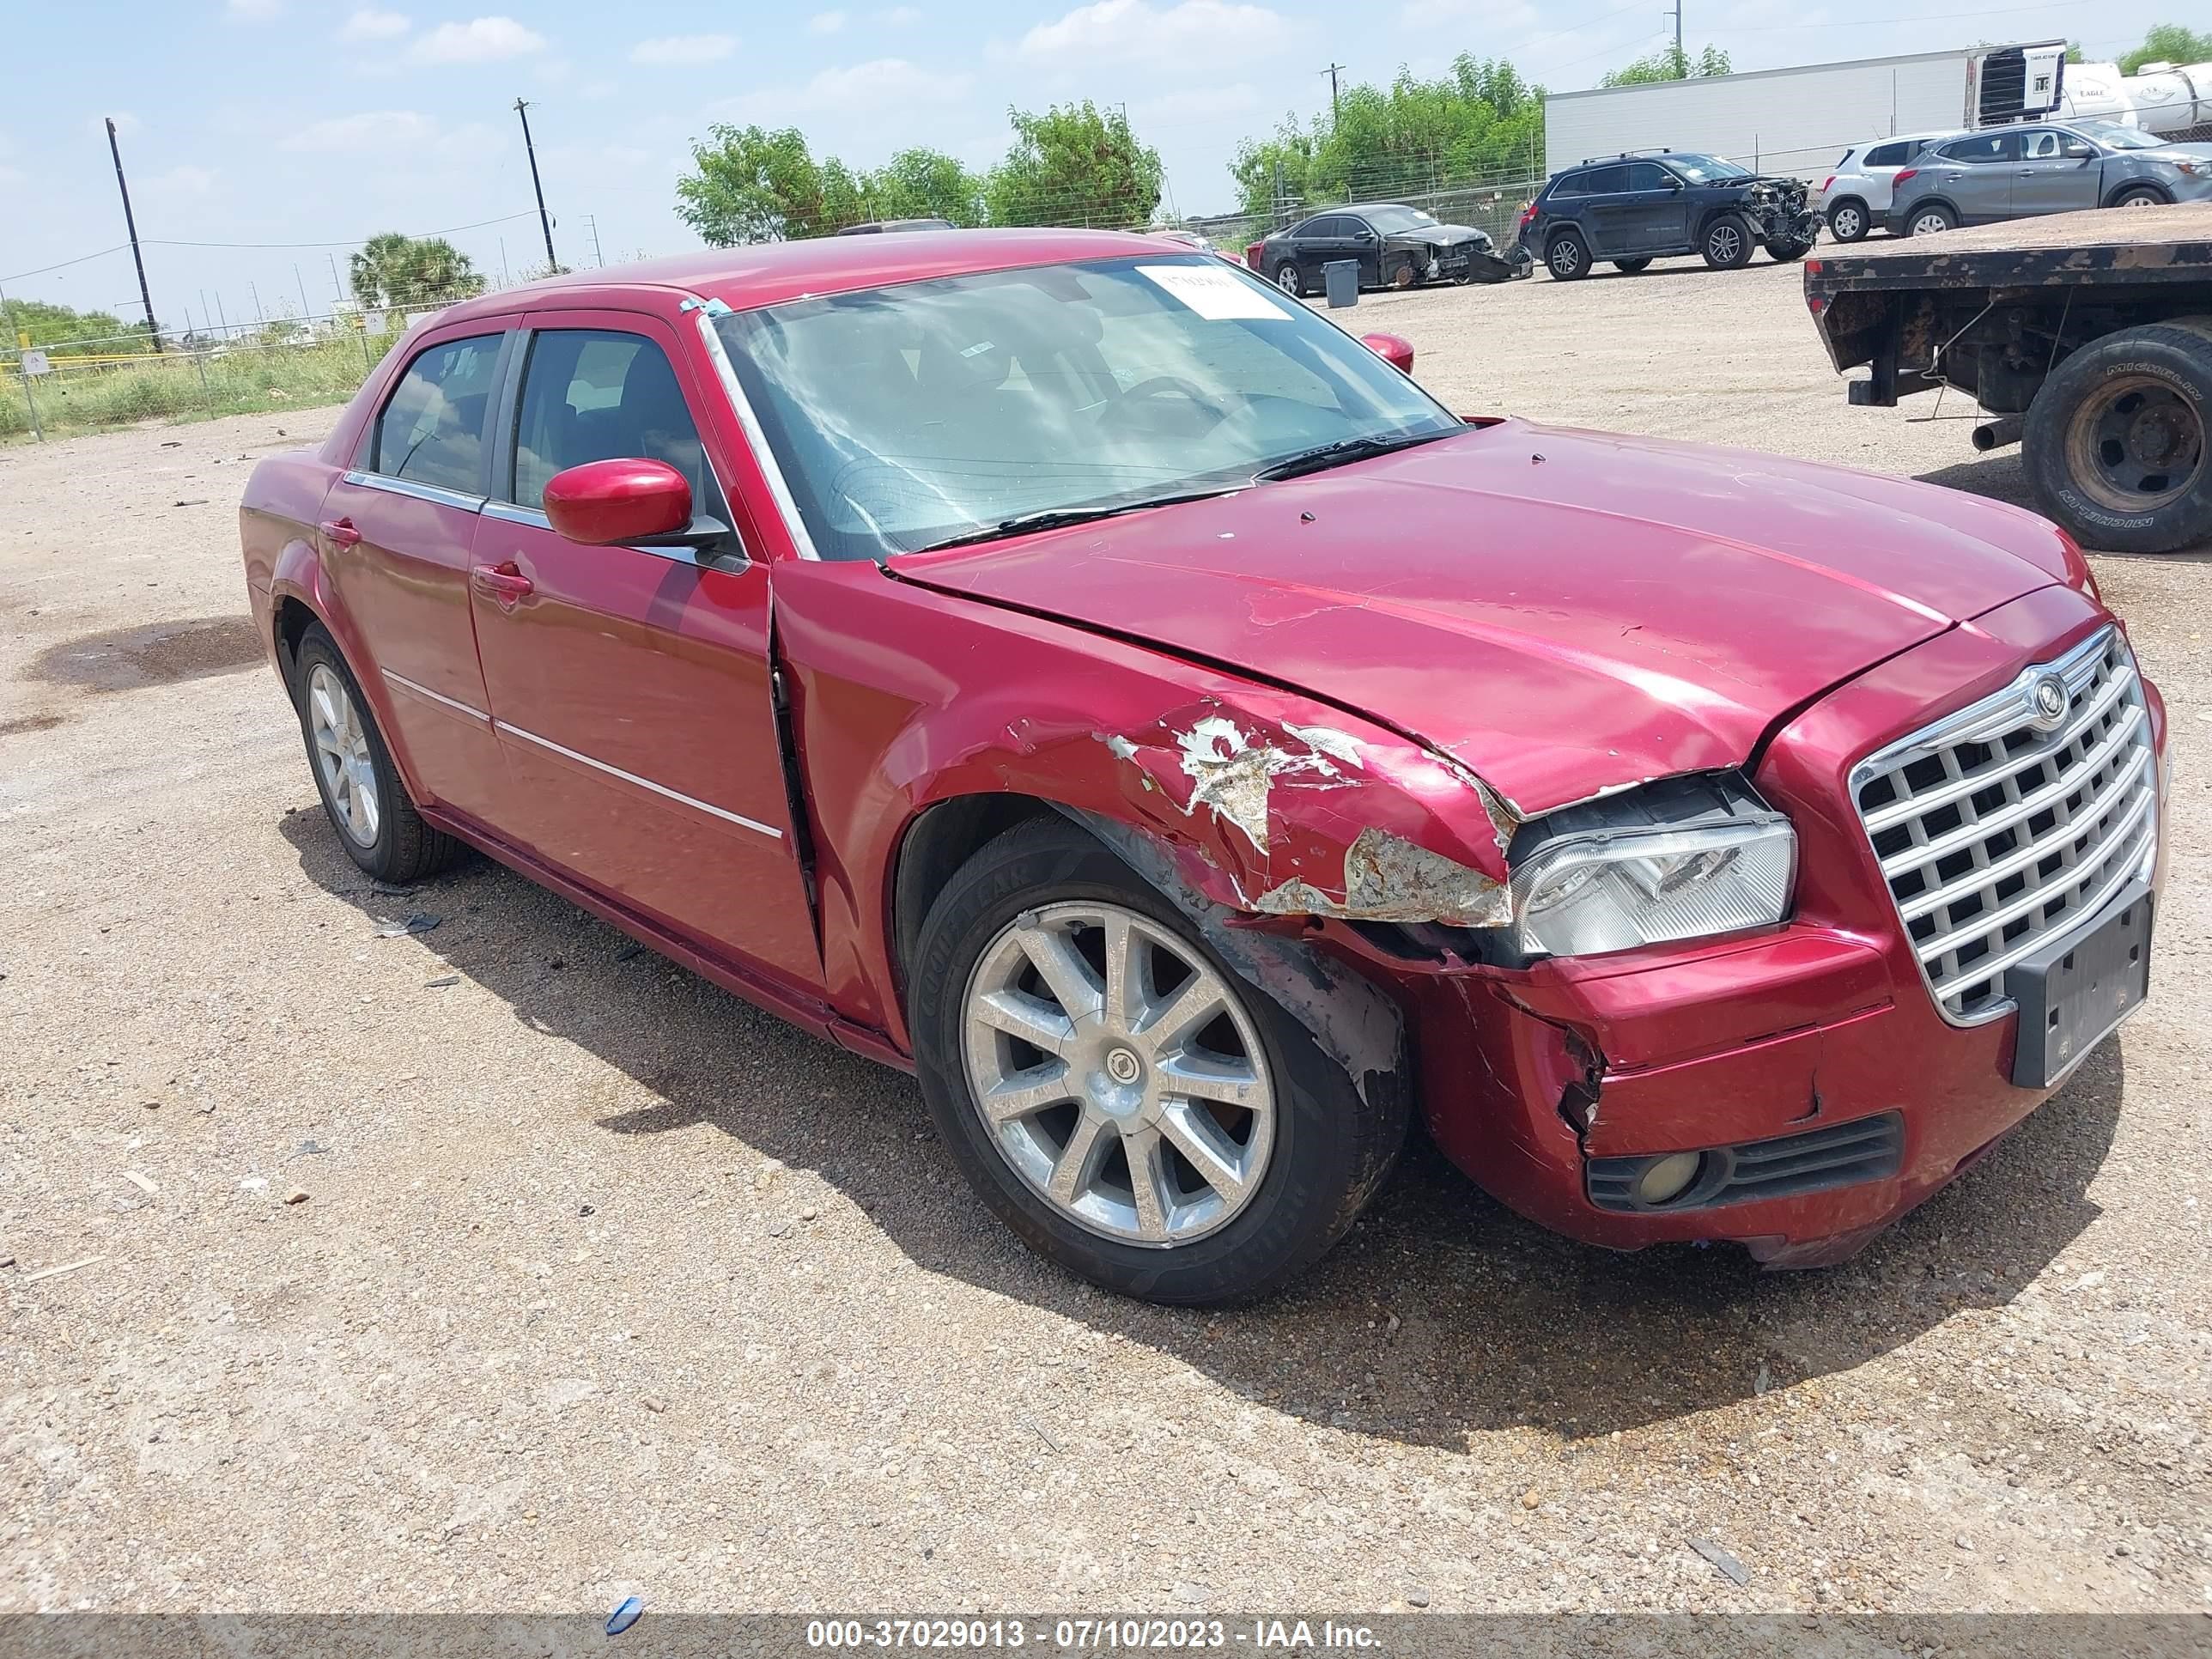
(599, 1281)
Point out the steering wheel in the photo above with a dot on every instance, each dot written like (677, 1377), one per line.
(1161, 385)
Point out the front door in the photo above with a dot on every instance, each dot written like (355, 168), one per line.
(1363, 244)
(2057, 173)
(1657, 217)
(399, 532)
(630, 686)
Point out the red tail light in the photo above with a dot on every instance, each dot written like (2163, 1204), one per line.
(1252, 254)
(1830, 185)
(1527, 212)
(1903, 173)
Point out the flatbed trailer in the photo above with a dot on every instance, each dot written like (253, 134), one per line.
(2086, 337)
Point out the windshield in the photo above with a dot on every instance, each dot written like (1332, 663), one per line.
(2113, 136)
(1389, 221)
(921, 413)
(1703, 169)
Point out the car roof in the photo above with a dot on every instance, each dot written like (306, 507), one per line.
(769, 273)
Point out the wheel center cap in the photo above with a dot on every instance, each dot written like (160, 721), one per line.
(1122, 1065)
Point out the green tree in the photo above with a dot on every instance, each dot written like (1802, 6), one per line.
(1074, 165)
(1403, 139)
(391, 271)
(2168, 43)
(1669, 62)
(749, 184)
(64, 333)
(924, 183)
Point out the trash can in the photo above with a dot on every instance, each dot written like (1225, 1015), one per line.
(1340, 279)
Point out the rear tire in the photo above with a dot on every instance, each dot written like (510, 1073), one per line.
(1727, 243)
(1784, 253)
(1311, 1150)
(1930, 220)
(360, 788)
(1847, 220)
(1630, 267)
(1288, 280)
(1567, 257)
(2116, 444)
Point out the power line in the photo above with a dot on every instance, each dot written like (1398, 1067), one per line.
(81, 259)
(450, 230)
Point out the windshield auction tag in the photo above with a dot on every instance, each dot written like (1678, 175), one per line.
(1214, 295)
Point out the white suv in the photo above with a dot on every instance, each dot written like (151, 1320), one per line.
(1858, 193)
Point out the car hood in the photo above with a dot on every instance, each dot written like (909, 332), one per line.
(1440, 235)
(1564, 612)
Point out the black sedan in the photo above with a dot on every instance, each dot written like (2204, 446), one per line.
(1396, 246)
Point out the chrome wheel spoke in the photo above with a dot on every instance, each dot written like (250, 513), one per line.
(1077, 1166)
(1028, 1092)
(1190, 1076)
(1148, 1184)
(1129, 983)
(1218, 1160)
(1194, 1007)
(1063, 969)
(1037, 1024)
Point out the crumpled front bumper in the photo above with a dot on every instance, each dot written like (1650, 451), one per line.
(1481, 262)
(1820, 1035)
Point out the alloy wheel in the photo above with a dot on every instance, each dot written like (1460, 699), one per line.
(1726, 244)
(341, 755)
(1118, 1073)
(1566, 255)
(1287, 280)
(1928, 223)
(1845, 224)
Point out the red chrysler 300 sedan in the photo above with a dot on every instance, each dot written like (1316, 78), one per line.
(1058, 663)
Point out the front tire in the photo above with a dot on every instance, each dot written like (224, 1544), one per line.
(1727, 243)
(360, 788)
(2116, 440)
(1847, 220)
(1407, 274)
(1630, 267)
(1567, 257)
(1288, 280)
(1118, 1095)
(2141, 196)
(1787, 253)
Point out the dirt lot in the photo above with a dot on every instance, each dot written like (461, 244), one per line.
(604, 1283)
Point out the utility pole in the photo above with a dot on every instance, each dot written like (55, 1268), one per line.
(1681, 62)
(1331, 71)
(131, 224)
(304, 311)
(545, 224)
(593, 219)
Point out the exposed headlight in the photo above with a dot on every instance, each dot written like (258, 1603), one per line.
(1683, 858)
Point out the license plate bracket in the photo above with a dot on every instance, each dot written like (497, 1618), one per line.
(2076, 989)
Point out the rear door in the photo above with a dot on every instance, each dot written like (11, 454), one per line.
(630, 686)
(399, 532)
(1975, 174)
(1609, 212)
(2058, 173)
(1323, 239)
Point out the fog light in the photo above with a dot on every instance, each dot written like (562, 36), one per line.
(1667, 1178)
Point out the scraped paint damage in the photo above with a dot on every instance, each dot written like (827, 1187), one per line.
(1330, 819)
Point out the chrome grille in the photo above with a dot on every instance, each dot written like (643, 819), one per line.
(2007, 823)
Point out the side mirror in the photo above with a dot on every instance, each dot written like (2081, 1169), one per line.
(610, 503)
(2079, 152)
(1393, 349)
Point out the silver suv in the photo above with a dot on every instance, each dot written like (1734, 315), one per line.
(2017, 173)
(1858, 193)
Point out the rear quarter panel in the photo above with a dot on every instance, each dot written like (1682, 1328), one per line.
(276, 520)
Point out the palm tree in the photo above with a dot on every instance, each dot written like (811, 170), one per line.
(392, 272)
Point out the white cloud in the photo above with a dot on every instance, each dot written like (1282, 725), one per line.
(1192, 33)
(826, 22)
(370, 24)
(383, 130)
(881, 86)
(899, 17)
(253, 11)
(683, 48)
(479, 41)
(12, 175)
(182, 180)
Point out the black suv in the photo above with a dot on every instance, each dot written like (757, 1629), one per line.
(1634, 208)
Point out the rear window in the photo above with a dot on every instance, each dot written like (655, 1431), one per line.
(1569, 184)
(432, 428)
(1888, 156)
(1844, 161)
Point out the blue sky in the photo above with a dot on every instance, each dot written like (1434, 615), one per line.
(315, 121)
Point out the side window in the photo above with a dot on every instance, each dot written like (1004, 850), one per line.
(1607, 181)
(1647, 175)
(432, 428)
(1318, 227)
(2041, 146)
(1885, 155)
(1983, 149)
(1569, 185)
(593, 395)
